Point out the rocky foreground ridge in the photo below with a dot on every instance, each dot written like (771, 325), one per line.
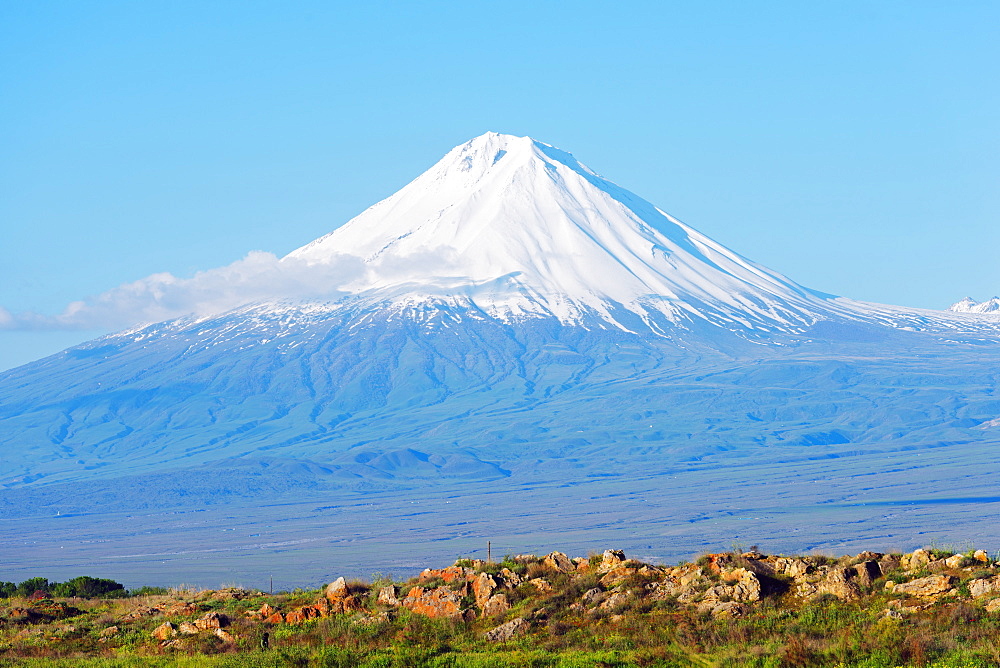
(521, 596)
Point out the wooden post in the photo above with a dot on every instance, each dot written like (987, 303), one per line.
(272, 584)
(489, 553)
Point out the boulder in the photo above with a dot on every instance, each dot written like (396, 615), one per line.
(932, 585)
(181, 609)
(212, 620)
(915, 560)
(592, 597)
(275, 618)
(617, 575)
(746, 586)
(449, 575)
(725, 609)
(438, 603)
(140, 612)
(508, 631)
(541, 584)
(841, 582)
(615, 600)
(188, 629)
(955, 561)
(984, 586)
(388, 596)
(113, 630)
(664, 589)
(510, 578)
(496, 606)
(337, 589)
(867, 572)
(557, 561)
(611, 559)
(224, 636)
(482, 588)
(339, 598)
(993, 605)
(267, 610)
(981, 556)
(792, 567)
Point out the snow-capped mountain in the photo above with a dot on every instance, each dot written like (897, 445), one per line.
(521, 228)
(970, 305)
(511, 323)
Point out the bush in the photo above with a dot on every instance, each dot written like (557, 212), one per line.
(146, 590)
(88, 587)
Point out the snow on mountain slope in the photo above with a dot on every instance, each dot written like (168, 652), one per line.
(970, 305)
(519, 228)
(516, 228)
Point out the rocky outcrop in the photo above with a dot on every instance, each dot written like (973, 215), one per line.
(212, 620)
(932, 585)
(509, 630)
(440, 602)
(164, 631)
(340, 598)
(984, 586)
(450, 574)
(496, 606)
(559, 562)
(842, 583)
(482, 588)
(388, 596)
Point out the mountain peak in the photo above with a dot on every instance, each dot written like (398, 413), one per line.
(970, 305)
(520, 228)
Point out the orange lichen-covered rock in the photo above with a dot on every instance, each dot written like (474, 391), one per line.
(482, 588)
(339, 598)
(164, 631)
(450, 574)
(439, 602)
(275, 618)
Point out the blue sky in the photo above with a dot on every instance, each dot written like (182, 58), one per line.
(852, 146)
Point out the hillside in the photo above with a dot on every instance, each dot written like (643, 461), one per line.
(925, 608)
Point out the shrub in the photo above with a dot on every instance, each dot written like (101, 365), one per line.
(88, 587)
(146, 590)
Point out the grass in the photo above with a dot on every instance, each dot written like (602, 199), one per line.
(780, 631)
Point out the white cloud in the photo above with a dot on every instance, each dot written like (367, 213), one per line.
(260, 276)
